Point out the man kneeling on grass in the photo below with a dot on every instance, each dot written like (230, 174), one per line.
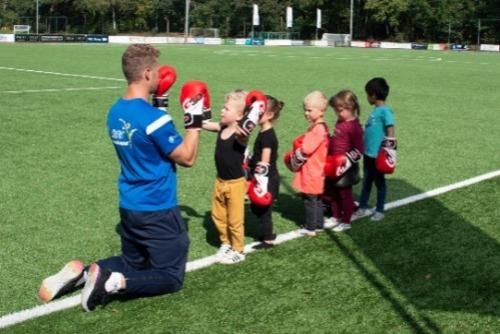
(153, 234)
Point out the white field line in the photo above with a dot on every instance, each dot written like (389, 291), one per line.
(57, 90)
(62, 304)
(61, 74)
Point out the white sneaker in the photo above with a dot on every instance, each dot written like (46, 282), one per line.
(233, 257)
(377, 216)
(224, 249)
(303, 231)
(331, 222)
(342, 227)
(362, 212)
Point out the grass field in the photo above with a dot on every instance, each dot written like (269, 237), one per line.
(431, 266)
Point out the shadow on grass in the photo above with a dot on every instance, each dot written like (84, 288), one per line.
(431, 255)
(252, 226)
(290, 204)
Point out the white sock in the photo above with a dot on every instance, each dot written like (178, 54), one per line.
(114, 282)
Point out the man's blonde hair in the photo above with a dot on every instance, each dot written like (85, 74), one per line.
(137, 58)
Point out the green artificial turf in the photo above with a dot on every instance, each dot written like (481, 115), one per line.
(428, 267)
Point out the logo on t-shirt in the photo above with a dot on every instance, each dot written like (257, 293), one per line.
(123, 136)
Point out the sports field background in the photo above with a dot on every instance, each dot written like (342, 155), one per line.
(430, 266)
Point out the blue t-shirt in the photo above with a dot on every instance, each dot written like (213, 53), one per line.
(375, 129)
(143, 137)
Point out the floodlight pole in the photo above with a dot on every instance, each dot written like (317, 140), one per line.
(36, 17)
(449, 31)
(350, 22)
(478, 32)
(186, 24)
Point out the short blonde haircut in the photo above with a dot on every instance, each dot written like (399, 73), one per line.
(238, 96)
(316, 99)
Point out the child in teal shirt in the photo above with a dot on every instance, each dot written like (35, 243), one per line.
(379, 125)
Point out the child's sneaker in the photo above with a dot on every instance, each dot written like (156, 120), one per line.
(331, 222)
(224, 249)
(304, 231)
(362, 212)
(94, 291)
(342, 227)
(264, 245)
(233, 257)
(63, 282)
(377, 216)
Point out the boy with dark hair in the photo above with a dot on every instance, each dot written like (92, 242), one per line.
(378, 128)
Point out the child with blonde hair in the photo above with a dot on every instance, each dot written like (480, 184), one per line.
(238, 117)
(307, 161)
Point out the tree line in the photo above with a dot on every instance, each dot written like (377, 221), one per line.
(437, 21)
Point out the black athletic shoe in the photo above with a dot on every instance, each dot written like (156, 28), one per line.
(263, 245)
(94, 292)
(261, 239)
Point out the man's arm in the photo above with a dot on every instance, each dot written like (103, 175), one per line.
(185, 154)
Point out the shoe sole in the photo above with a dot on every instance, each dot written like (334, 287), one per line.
(310, 234)
(330, 226)
(227, 261)
(64, 280)
(90, 284)
(342, 230)
(219, 256)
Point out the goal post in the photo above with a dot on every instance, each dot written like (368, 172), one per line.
(204, 32)
(337, 39)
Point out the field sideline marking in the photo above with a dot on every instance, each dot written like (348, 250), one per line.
(62, 74)
(56, 90)
(62, 304)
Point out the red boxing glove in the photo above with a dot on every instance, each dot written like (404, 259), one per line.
(297, 143)
(257, 197)
(336, 165)
(294, 159)
(247, 158)
(256, 103)
(207, 110)
(386, 158)
(192, 99)
(257, 187)
(287, 159)
(166, 79)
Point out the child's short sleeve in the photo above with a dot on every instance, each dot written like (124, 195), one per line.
(388, 116)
